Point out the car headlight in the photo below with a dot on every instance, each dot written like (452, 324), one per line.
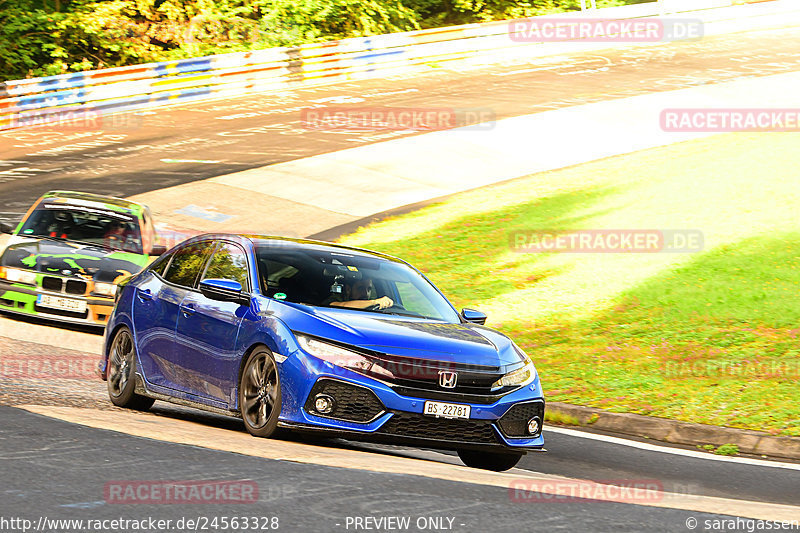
(521, 376)
(105, 289)
(17, 275)
(336, 355)
(518, 377)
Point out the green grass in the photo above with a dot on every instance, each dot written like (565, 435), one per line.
(707, 337)
(561, 419)
(727, 449)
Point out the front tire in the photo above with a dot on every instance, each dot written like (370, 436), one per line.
(121, 374)
(260, 393)
(497, 462)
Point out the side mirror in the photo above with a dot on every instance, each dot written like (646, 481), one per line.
(471, 315)
(5, 228)
(158, 249)
(224, 290)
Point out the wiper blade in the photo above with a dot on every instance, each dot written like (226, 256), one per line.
(413, 315)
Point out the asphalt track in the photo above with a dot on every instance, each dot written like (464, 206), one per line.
(146, 151)
(51, 468)
(676, 470)
(58, 470)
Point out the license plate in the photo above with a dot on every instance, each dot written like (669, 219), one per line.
(65, 304)
(446, 410)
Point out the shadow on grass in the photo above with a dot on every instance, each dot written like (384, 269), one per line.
(716, 340)
(717, 299)
(468, 258)
(754, 283)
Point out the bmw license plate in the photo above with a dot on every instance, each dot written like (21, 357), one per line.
(65, 304)
(446, 410)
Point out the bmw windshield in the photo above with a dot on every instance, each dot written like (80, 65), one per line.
(324, 277)
(102, 227)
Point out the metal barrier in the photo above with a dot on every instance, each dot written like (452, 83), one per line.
(66, 96)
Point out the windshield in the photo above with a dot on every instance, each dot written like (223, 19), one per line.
(324, 278)
(116, 231)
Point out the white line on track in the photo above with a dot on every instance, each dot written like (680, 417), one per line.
(674, 451)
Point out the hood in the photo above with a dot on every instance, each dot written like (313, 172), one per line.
(410, 337)
(71, 259)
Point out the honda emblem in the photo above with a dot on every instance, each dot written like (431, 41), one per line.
(447, 380)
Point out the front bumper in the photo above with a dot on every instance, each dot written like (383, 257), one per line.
(375, 412)
(22, 299)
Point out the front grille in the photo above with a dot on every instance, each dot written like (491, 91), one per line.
(351, 402)
(52, 284)
(75, 286)
(442, 429)
(409, 373)
(68, 286)
(515, 422)
(457, 397)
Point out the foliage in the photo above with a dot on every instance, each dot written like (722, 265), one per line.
(293, 22)
(727, 449)
(46, 37)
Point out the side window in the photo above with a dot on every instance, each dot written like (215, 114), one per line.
(187, 263)
(228, 262)
(160, 265)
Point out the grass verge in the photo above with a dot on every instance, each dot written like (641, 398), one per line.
(709, 337)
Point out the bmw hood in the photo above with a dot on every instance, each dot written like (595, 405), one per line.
(425, 339)
(71, 259)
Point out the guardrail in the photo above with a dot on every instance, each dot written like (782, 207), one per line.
(87, 94)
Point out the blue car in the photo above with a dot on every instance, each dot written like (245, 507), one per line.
(311, 336)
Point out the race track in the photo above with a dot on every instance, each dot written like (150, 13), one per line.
(58, 459)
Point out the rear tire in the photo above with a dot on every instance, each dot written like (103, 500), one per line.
(260, 394)
(497, 462)
(121, 374)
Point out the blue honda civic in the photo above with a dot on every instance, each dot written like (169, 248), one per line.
(311, 336)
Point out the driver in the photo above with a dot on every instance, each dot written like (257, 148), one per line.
(357, 295)
(117, 235)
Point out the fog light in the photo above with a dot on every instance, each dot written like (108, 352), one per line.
(323, 403)
(533, 425)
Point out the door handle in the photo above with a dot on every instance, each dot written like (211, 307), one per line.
(144, 295)
(188, 310)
